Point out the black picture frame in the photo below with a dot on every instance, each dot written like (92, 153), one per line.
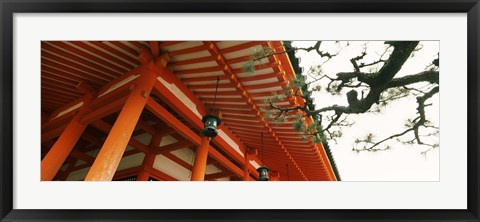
(9, 7)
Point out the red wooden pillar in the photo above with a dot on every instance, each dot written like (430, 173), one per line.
(59, 152)
(250, 152)
(149, 159)
(53, 161)
(246, 174)
(143, 175)
(109, 157)
(200, 164)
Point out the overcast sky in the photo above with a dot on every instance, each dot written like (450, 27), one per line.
(402, 162)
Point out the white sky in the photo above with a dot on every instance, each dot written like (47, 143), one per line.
(402, 162)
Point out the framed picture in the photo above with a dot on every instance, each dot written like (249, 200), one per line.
(179, 79)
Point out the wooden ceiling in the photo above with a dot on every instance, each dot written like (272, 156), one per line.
(197, 64)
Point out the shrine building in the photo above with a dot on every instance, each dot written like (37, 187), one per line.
(171, 111)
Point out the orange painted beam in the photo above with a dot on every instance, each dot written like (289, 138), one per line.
(172, 121)
(169, 43)
(81, 156)
(215, 176)
(159, 175)
(212, 86)
(198, 70)
(88, 164)
(55, 97)
(188, 50)
(138, 145)
(102, 126)
(257, 67)
(232, 107)
(261, 77)
(212, 93)
(126, 173)
(52, 118)
(225, 162)
(101, 53)
(114, 51)
(84, 54)
(57, 79)
(47, 136)
(202, 79)
(167, 131)
(244, 123)
(105, 127)
(171, 147)
(110, 155)
(120, 84)
(178, 161)
(50, 70)
(239, 59)
(217, 165)
(154, 48)
(137, 44)
(48, 46)
(53, 87)
(54, 60)
(107, 109)
(148, 128)
(262, 86)
(241, 46)
(57, 155)
(131, 152)
(191, 61)
(122, 45)
(224, 100)
(200, 164)
(227, 116)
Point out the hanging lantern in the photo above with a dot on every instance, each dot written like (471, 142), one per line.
(263, 173)
(211, 121)
(210, 125)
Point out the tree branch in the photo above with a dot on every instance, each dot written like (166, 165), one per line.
(425, 76)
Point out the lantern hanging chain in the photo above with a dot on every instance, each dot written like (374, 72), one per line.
(262, 147)
(215, 96)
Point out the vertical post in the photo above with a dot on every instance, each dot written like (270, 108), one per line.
(149, 159)
(57, 155)
(200, 164)
(109, 157)
(246, 174)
